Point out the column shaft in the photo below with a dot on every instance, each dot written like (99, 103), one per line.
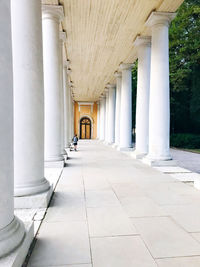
(111, 115)
(52, 82)
(98, 120)
(66, 107)
(28, 98)
(159, 113)
(126, 107)
(102, 118)
(62, 93)
(107, 115)
(142, 104)
(11, 229)
(118, 107)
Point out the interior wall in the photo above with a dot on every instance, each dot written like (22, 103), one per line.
(85, 110)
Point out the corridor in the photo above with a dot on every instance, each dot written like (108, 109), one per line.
(109, 210)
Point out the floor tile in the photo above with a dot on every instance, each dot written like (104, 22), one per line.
(164, 238)
(127, 251)
(61, 243)
(109, 221)
(179, 262)
(188, 216)
(101, 198)
(67, 204)
(96, 183)
(141, 207)
(127, 190)
(172, 169)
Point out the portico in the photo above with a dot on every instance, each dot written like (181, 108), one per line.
(65, 61)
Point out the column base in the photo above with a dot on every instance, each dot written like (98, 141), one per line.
(17, 257)
(54, 164)
(34, 201)
(137, 155)
(125, 148)
(11, 237)
(110, 143)
(159, 163)
(32, 189)
(115, 145)
(105, 142)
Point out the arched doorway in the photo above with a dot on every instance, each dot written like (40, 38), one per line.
(85, 128)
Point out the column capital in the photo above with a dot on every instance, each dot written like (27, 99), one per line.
(69, 71)
(126, 66)
(118, 74)
(102, 97)
(160, 18)
(63, 36)
(52, 11)
(110, 86)
(67, 63)
(142, 41)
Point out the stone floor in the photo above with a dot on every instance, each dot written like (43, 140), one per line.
(110, 210)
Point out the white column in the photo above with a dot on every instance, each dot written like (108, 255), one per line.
(52, 81)
(11, 229)
(70, 116)
(107, 115)
(126, 107)
(66, 104)
(73, 130)
(143, 45)
(118, 76)
(102, 118)
(62, 88)
(159, 114)
(98, 120)
(111, 113)
(28, 98)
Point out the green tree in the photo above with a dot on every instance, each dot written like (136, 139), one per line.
(184, 51)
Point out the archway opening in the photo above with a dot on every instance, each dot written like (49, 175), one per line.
(85, 128)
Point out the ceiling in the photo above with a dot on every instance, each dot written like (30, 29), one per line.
(100, 35)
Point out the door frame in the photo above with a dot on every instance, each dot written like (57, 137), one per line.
(92, 123)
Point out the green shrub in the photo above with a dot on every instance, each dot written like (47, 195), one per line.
(185, 140)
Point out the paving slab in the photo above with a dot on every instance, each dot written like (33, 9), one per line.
(179, 262)
(125, 251)
(68, 204)
(186, 177)
(109, 221)
(61, 243)
(101, 198)
(164, 238)
(141, 207)
(127, 190)
(187, 216)
(172, 169)
(94, 182)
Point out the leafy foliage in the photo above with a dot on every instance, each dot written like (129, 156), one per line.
(184, 52)
(190, 141)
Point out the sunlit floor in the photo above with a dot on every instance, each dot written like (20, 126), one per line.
(110, 210)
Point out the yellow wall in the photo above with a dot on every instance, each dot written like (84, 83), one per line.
(85, 111)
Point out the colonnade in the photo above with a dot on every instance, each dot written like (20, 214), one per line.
(36, 107)
(152, 107)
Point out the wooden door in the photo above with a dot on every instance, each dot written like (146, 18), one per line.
(85, 128)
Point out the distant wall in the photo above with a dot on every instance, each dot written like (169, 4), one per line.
(85, 111)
